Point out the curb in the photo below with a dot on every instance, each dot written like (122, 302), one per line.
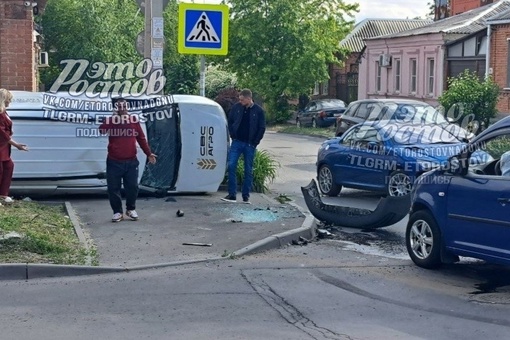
(27, 271)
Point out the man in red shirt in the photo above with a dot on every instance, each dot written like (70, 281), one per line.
(123, 131)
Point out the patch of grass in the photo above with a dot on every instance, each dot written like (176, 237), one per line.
(228, 254)
(282, 198)
(316, 132)
(46, 235)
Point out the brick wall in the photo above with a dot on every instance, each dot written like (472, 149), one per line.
(18, 67)
(499, 64)
(460, 6)
(336, 70)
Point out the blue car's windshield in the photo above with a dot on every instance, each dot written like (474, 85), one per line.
(414, 114)
(417, 134)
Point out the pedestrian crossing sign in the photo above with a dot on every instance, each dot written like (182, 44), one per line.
(203, 29)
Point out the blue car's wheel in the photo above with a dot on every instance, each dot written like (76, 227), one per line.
(326, 183)
(423, 240)
(399, 184)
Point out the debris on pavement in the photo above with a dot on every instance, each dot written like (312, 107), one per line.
(197, 244)
(323, 233)
(179, 213)
(389, 210)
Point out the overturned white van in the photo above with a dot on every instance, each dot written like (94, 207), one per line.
(67, 154)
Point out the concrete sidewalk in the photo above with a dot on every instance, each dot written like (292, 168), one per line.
(219, 230)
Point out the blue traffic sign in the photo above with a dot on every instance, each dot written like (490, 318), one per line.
(203, 29)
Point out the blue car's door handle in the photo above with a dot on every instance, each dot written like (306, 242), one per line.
(503, 200)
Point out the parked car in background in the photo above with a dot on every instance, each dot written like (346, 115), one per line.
(320, 113)
(400, 110)
(384, 156)
(463, 209)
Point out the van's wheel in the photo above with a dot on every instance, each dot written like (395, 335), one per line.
(326, 184)
(399, 184)
(314, 123)
(423, 240)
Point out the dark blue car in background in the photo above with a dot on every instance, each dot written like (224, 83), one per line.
(463, 208)
(320, 113)
(383, 156)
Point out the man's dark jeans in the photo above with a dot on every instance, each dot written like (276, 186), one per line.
(237, 149)
(118, 173)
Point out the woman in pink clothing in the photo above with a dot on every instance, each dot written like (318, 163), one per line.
(6, 141)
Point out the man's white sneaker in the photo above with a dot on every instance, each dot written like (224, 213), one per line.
(132, 214)
(7, 199)
(117, 217)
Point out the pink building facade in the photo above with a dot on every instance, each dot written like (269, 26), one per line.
(403, 67)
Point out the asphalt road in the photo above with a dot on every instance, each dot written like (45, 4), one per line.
(318, 291)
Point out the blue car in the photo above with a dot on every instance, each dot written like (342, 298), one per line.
(384, 156)
(463, 208)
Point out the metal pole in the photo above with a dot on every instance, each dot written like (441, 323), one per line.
(148, 29)
(202, 76)
(154, 39)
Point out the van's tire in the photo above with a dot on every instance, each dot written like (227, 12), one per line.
(423, 240)
(326, 184)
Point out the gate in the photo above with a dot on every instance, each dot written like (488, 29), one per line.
(347, 87)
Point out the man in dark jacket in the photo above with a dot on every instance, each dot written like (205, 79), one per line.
(246, 125)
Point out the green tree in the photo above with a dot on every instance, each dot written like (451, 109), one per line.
(96, 30)
(181, 70)
(217, 79)
(281, 48)
(469, 99)
(106, 31)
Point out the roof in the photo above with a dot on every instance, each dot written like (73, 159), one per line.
(465, 23)
(504, 16)
(370, 28)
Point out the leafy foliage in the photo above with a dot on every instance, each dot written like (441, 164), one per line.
(181, 71)
(217, 79)
(227, 98)
(265, 169)
(106, 31)
(282, 47)
(468, 96)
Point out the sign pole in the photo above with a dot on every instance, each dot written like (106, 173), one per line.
(202, 76)
(154, 38)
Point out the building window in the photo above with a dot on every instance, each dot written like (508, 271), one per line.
(325, 87)
(413, 70)
(378, 79)
(397, 75)
(430, 85)
(316, 89)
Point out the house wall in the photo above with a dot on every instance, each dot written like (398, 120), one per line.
(422, 48)
(338, 75)
(18, 52)
(460, 6)
(499, 60)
